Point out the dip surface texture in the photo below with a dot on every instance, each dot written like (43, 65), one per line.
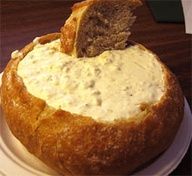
(110, 86)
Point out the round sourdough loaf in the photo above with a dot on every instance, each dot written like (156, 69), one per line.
(74, 144)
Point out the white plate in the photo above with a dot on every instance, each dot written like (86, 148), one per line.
(16, 160)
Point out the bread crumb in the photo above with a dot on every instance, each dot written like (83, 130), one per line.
(36, 40)
(16, 54)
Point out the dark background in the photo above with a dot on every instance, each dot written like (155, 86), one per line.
(22, 21)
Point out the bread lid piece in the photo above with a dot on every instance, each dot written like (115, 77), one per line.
(98, 25)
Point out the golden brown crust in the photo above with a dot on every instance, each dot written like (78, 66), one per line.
(79, 5)
(78, 145)
(68, 34)
(70, 29)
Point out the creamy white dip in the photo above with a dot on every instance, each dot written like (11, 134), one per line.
(110, 86)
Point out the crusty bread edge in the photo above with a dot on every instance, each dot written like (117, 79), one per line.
(74, 144)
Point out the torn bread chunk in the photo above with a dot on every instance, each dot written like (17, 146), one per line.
(98, 25)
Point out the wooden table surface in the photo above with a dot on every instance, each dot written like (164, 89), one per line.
(22, 21)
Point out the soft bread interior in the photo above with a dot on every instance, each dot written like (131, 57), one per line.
(104, 27)
(96, 26)
(116, 84)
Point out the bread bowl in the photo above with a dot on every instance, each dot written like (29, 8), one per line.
(77, 144)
